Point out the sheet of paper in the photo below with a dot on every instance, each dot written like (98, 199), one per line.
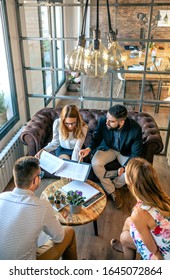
(87, 190)
(74, 170)
(50, 162)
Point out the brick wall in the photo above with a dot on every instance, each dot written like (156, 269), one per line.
(125, 19)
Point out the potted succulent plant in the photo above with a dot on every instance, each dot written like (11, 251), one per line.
(75, 200)
(3, 109)
(51, 199)
(73, 81)
(57, 203)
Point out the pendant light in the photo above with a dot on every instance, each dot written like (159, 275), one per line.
(96, 57)
(165, 19)
(117, 56)
(74, 60)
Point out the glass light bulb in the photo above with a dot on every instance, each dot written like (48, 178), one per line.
(117, 56)
(75, 60)
(96, 61)
(67, 59)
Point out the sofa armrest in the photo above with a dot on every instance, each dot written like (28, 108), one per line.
(152, 140)
(38, 131)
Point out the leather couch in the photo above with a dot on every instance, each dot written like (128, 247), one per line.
(38, 132)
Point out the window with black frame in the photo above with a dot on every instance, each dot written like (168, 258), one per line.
(8, 102)
(42, 50)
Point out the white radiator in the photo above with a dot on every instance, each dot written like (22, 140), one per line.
(12, 151)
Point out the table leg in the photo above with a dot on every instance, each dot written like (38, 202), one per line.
(95, 227)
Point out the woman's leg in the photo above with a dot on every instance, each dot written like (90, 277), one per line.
(129, 248)
(64, 156)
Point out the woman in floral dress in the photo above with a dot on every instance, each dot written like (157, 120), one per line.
(147, 230)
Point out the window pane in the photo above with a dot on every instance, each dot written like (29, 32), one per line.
(6, 110)
(7, 98)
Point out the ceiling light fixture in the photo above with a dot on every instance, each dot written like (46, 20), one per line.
(96, 58)
(74, 60)
(117, 56)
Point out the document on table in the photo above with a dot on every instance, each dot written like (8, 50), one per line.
(87, 190)
(74, 170)
(50, 162)
(64, 168)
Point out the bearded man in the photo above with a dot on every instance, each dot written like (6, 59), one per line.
(116, 137)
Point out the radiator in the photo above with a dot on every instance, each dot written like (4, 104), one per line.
(12, 151)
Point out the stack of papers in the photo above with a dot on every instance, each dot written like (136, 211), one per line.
(87, 190)
(64, 168)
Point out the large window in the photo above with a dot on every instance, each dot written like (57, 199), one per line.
(8, 104)
(42, 49)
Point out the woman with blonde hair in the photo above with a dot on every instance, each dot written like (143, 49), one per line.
(69, 132)
(147, 230)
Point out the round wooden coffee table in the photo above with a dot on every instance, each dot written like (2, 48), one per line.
(87, 215)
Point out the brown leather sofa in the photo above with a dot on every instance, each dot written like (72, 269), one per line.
(38, 131)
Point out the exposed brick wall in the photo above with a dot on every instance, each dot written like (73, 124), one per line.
(125, 19)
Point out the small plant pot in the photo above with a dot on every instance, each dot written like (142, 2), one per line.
(57, 204)
(73, 87)
(51, 199)
(63, 199)
(75, 209)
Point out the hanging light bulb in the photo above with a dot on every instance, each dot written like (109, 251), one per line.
(117, 56)
(74, 60)
(96, 58)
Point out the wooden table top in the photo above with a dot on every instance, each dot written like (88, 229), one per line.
(160, 54)
(86, 215)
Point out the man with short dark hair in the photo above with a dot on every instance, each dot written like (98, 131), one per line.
(26, 220)
(116, 137)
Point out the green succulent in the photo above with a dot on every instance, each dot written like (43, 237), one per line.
(2, 103)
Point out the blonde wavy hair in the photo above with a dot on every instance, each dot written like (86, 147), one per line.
(71, 111)
(144, 185)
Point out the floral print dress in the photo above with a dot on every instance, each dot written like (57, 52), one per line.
(161, 234)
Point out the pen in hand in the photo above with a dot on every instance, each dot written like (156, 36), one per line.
(80, 158)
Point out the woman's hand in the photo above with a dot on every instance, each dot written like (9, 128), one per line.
(157, 255)
(38, 155)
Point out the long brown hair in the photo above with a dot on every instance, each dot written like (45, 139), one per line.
(144, 185)
(71, 111)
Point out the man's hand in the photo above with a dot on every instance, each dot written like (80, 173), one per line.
(120, 171)
(83, 153)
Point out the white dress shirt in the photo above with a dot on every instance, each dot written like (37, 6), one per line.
(23, 217)
(69, 143)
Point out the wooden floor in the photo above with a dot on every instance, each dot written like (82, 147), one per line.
(110, 223)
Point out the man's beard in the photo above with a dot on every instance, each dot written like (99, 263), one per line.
(114, 128)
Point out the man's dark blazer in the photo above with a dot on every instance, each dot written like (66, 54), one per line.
(130, 138)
